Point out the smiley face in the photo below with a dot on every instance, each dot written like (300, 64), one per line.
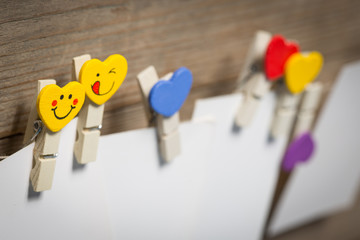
(102, 79)
(57, 106)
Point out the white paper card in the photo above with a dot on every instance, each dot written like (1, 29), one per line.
(219, 188)
(242, 171)
(75, 207)
(150, 200)
(330, 181)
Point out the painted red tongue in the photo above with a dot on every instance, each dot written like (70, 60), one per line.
(96, 87)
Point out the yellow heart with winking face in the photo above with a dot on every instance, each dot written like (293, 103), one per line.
(102, 79)
(57, 106)
(302, 69)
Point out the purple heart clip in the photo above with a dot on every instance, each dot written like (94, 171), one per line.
(299, 150)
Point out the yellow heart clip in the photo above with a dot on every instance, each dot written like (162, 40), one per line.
(57, 106)
(301, 70)
(102, 79)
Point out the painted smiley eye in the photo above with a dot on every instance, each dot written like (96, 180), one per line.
(54, 103)
(70, 96)
(112, 71)
(75, 101)
(61, 97)
(98, 74)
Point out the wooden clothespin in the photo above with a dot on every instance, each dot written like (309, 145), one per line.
(162, 100)
(302, 143)
(89, 121)
(100, 80)
(300, 70)
(264, 65)
(253, 76)
(56, 107)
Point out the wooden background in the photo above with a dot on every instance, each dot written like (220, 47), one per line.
(38, 40)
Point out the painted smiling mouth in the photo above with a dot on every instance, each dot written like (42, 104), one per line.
(53, 109)
(96, 88)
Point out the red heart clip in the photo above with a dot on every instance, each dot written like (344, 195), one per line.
(276, 55)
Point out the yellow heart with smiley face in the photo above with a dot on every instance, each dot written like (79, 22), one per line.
(57, 106)
(102, 79)
(302, 69)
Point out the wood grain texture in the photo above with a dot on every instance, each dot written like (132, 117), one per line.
(38, 40)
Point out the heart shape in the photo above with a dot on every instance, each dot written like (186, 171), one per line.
(301, 70)
(57, 106)
(167, 97)
(276, 55)
(300, 150)
(102, 79)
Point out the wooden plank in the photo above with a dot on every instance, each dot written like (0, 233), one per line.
(38, 41)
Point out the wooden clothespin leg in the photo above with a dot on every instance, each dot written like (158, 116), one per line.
(168, 133)
(167, 126)
(89, 122)
(256, 83)
(309, 105)
(285, 113)
(46, 147)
